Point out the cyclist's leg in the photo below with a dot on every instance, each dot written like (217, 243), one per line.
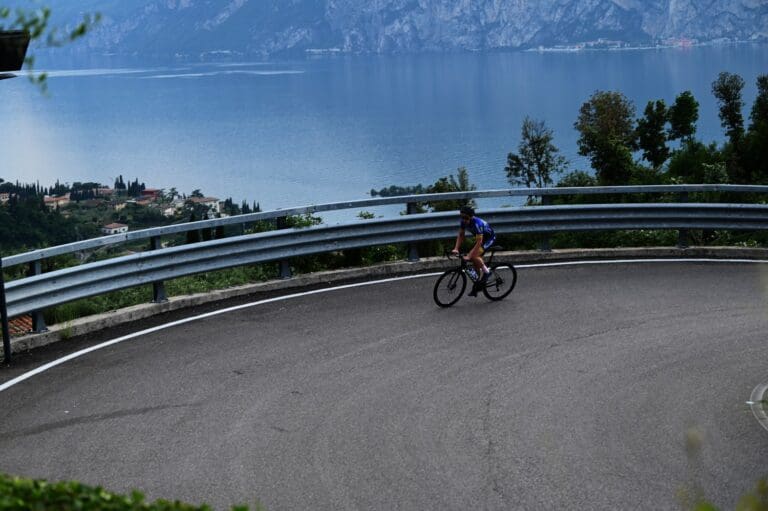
(482, 271)
(478, 262)
(486, 245)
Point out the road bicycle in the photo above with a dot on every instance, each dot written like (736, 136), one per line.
(450, 286)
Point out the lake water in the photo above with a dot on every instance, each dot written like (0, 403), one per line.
(331, 128)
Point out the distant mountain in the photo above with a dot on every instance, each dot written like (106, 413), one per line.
(192, 27)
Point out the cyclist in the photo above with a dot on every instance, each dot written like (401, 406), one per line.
(484, 238)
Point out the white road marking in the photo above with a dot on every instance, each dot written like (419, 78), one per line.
(625, 261)
(77, 354)
(85, 351)
(756, 403)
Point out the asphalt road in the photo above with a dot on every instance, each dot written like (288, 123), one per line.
(576, 392)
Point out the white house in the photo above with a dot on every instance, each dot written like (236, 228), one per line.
(114, 229)
(56, 202)
(212, 203)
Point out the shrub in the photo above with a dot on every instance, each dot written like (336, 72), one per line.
(18, 494)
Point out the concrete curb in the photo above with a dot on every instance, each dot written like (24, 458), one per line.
(111, 319)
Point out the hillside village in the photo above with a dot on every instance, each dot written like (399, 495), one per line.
(65, 212)
(152, 199)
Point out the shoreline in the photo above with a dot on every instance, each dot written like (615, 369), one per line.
(233, 56)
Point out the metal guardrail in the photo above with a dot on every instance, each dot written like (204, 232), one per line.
(41, 291)
(61, 286)
(38, 255)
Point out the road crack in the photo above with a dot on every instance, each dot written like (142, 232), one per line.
(492, 475)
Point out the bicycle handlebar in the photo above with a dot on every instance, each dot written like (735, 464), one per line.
(451, 255)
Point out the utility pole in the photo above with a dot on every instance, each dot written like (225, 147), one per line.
(13, 50)
(4, 318)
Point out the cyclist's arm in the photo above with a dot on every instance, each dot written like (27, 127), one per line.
(475, 252)
(459, 241)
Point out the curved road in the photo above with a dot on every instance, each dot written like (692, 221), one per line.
(576, 392)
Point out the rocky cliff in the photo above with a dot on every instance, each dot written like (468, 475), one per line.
(191, 27)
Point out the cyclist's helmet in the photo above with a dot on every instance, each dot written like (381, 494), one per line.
(467, 210)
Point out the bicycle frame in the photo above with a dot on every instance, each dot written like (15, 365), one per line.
(464, 264)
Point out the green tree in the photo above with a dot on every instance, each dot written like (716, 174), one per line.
(615, 160)
(170, 195)
(537, 159)
(759, 114)
(651, 134)
(577, 178)
(727, 89)
(301, 221)
(394, 190)
(682, 116)
(448, 184)
(135, 188)
(25, 221)
(757, 135)
(689, 164)
(36, 22)
(607, 135)
(194, 235)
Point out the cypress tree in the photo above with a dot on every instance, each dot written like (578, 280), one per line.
(682, 116)
(193, 236)
(727, 89)
(757, 136)
(651, 135)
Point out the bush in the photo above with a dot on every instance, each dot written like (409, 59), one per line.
(689, 163)
(191, 284)
(614, 239)
(17, 494)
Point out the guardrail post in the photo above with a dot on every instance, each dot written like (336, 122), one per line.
(158, 288)
(281, 222)
(546, 200)
(682, 234)
(38, 320)
(413, 250)
(4, 318)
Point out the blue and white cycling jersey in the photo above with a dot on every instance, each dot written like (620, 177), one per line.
(479, 226)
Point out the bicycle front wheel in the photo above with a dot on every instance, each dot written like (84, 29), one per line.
(449, 287)
(500, 282)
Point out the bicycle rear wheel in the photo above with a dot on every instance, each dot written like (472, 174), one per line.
(449, 287)
(500, 282)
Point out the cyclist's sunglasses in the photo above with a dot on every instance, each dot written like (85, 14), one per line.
(465, 217)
